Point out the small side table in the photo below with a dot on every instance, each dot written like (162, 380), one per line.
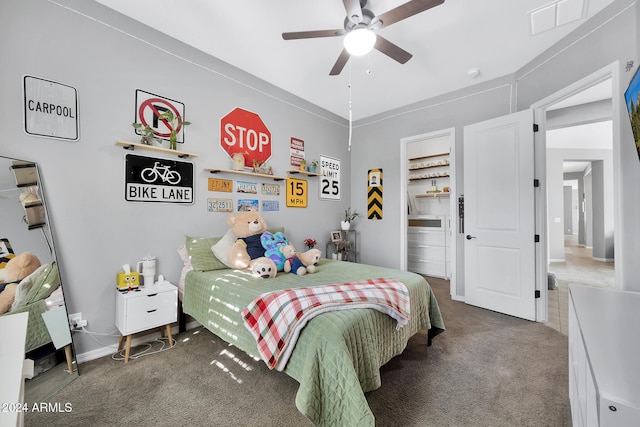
(146, 308)
(348, 247)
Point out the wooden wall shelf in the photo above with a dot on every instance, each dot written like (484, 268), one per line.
(260, 175)
(296, 171)
(136, 145)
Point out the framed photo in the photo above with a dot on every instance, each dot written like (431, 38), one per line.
(336, 236)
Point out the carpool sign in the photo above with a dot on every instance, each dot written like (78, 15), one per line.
(50, 109)
(242, 131)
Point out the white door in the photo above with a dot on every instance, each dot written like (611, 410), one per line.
(499, 215)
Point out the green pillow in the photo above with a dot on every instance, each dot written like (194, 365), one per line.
(200, 254)
(47, 282)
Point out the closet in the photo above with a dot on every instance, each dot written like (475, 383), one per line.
(429, 165)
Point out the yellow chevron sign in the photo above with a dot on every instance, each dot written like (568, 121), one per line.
(374, 199)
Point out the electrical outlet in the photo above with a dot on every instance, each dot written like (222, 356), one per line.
(75, 320)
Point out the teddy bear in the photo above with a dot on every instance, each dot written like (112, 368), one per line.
(310, 257)
(248, 226)
(247, 251)
(293, 263)
(263, 268)
(19, 267)
(272, 243)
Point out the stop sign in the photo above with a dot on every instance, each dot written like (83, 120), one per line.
(242, 131)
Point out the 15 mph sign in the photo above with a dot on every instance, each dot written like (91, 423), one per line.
(242, 131)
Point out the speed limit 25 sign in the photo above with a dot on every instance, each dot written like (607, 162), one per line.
(329, 178)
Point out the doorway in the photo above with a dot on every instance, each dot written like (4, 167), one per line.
(428, 172)
(579, 144)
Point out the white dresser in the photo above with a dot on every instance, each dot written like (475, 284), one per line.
(429, 245)
(604, 357)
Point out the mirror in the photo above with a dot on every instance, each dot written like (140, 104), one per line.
(25, 227)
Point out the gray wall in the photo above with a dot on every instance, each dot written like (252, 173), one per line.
(568, 210)
(106, 57)
(611, 36)
(579, 226)
(599, 220)
(377, 144)
(607, 38)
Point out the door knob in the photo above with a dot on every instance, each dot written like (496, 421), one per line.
(469, 237)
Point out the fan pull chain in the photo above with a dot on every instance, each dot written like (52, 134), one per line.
(350, 112)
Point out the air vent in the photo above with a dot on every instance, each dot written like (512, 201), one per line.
(555, 14)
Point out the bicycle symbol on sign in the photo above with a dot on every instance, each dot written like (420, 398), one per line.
(161, 171)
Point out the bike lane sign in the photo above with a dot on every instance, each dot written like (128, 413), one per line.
(150, 179)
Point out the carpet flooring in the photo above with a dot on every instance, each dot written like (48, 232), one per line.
(486, 369)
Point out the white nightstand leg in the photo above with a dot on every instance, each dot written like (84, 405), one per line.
(169, 336)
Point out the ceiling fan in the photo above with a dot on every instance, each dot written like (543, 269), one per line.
(359, 18)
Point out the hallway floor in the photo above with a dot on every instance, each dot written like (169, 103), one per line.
(579, 268)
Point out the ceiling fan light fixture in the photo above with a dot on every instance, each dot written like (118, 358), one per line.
(360, 41)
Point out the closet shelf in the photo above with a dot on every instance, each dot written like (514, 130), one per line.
(136, 145)
(428, 167)
(260, 175)
(433, 195)
(429, 177)
(428, 157)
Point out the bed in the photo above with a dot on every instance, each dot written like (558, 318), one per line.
(338, 354)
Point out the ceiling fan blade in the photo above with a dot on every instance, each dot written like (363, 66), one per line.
(407, 10)
(354, 11)
(340, 63)
(391, 50)
(313, 34)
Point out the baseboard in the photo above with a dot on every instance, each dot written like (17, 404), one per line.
(136, 340)
(457, 298)
(604, 259)
(557, 260)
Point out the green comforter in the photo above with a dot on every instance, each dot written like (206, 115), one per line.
(338, 354)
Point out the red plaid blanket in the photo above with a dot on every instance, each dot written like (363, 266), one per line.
(275, 319)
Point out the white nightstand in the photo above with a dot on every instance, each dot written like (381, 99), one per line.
(150, 307)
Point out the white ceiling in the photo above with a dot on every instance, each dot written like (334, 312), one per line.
(446, 41)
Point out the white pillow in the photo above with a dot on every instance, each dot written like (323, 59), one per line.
(221, 249)
(186, 267)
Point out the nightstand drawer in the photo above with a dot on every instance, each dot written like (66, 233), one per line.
(146, 312)
(150, 308)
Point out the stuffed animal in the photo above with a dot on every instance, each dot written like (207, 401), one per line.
(272, 243)
(247, 251)
(310, 257)
(19, 267)
(263, 268)
(248, 226)
(293, 263)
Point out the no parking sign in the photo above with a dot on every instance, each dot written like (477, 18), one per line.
(148, 109)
